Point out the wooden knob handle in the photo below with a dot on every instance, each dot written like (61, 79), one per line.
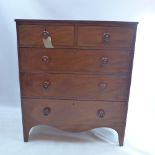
(46, 111)
(106, 37)
(100, 113)
(104, 60)
(45, 59)
(45, 34)
(46, 84)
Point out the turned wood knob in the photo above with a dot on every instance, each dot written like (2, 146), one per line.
(104, 60)
(45, 59)
(106, 37)
(46, 84)
(100, 113)
(46, 111)
(45, 34)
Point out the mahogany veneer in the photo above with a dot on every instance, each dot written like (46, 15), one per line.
(83, 82)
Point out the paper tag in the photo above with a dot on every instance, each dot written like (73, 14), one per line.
(47, 42)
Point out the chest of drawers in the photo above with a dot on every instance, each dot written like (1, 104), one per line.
(75, 75)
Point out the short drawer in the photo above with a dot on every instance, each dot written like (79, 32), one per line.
(75, 86)
(74, 115)
(32, 35)
(69, 60)
(106, 37)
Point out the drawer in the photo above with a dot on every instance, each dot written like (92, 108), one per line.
(75, 86)
(74, 115)
(31, 35)
(69, 60)
(106, 37)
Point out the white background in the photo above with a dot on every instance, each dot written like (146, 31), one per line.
(140, 125)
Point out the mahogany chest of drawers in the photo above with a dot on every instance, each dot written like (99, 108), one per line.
(75, 75)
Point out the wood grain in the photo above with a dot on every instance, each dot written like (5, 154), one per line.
(83, 82)
(74, 115)
(70, 86)
(32, 35)
(120, 37)
(71, 60)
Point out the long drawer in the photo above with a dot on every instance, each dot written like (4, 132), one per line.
(75, 86)
(69, 60)
(74, 115)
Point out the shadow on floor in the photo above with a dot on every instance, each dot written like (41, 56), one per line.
(48, 133)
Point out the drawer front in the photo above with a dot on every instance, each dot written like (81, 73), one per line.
(75, 86)
(74, 115)
(105, 37)
(68, 60)
(31, 35)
